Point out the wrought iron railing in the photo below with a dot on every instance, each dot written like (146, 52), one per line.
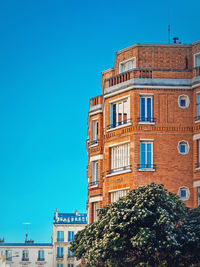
(146, 166)
(59, 256)
(197, 118)
(119, 123)
(94, 142)
(197, 165)
(25, 259)
(146, 119)
(40, 259)
(93, 183)
(124, 168)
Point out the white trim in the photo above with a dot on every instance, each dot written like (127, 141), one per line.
(120, 126)
(95, 112)
(97, 157)
(187, 101)
(196, 136)
(93, 186)
(118, 173)
(147, 94)
(147, 170)
(95, 119)
(94, 145)
(197, 121)
(187, 193)
(187, 148)
(118, 144)
(118, 99)
(194, 59)
(196, 184)
(147, 123)
(95, 199)
(124, 62)
(115, 190)
(196, 169)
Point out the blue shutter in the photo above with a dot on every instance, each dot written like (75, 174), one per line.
(114, 116)
(149, 115)
(72, 236)
(61, 252)
(142, 155)
(69, 236)
(149, 156)
(142, 109)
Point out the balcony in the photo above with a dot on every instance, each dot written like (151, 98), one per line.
(59, 256)
(119, 124)
(94, 142)
(60, 240)
(197, 165)
(146, 167)
(119, 170)
(146, 120)
(40, 259)
(25, 259)
(93, 183)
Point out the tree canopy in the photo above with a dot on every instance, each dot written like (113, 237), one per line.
(148, 227)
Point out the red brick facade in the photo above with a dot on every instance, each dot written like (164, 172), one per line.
(162, 81)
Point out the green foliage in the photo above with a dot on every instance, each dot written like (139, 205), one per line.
(148, 227)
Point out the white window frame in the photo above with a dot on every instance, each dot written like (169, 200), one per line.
(151, 141)
(187, 147)
(115, 194)
(95, 172)
(194, 57)
(187, 101)
(117, 101)
(25, 254)
(95, 131)
(145, 96)
(126, 61)
(187, 193)
(119, 159)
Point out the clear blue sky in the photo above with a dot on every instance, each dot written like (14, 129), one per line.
(51, 57)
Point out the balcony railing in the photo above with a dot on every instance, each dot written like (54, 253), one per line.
(197, 118)
(119, 123)
(25, 259)
(115, 170)
(197, 71)
(146, 119)
(9, 258)
(60, 240)
(40, 259)
(94, 142)
(59, 256)
(125, 76)
(93, 183)
(197, 165)
(146, 166)
(70, 256)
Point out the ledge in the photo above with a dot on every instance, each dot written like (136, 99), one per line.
(119, 127)
(119, 172)
(95, 108)
(146, 123)
(146, 170)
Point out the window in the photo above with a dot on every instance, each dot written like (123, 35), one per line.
(127, 65)
(120, 158)
(94, 173)
(146, 109)
(183, 101)
(198, 106)
(198, 196)
(70, 236)
(41, 255)
(198, 154)
(60, 236)
(70, 265)
(70, 254)
(183, 147)
(8, 255)
(184, 193)
(197, 60)
(146, 155)
(59, 252)
(59, 265)
(116, 195)
(25, 255)
(95, 126)
(94, 211)
(119, 113)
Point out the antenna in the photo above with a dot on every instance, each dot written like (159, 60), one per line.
(169, 33)
(27, 224)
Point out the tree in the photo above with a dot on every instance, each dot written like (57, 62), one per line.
(148, 227)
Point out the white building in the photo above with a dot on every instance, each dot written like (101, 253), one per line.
(65, 226)
(28, 254)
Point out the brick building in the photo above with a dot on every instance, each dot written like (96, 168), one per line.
(145, 127)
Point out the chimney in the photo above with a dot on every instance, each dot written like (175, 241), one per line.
(175, 40)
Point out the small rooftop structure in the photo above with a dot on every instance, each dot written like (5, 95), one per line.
(70, 218)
